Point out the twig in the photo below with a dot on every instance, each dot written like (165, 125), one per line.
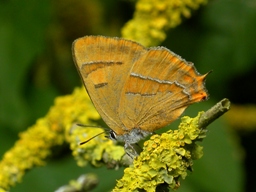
(207, 118)
(214, 113)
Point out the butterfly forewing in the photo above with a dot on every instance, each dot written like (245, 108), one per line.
(104, 65)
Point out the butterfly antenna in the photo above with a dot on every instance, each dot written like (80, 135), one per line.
(95, 126)
(91, 138)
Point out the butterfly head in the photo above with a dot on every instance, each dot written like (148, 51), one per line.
(130, 138)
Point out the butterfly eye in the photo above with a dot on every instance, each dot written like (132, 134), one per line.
(112, 135)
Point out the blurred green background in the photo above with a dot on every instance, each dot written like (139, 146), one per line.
(36, 66)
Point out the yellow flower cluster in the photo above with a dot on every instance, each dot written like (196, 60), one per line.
(153, 17)
(165, 158)
(35, 144)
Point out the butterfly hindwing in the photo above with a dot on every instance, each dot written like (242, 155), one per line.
(160, 87)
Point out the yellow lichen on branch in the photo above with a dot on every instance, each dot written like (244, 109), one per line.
(36, 143)
(165, 158)
(96, 150)
(152, 18)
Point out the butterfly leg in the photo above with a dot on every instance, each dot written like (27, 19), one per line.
(133, 150)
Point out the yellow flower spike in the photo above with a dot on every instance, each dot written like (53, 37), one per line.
(164, 159)
(152, 18)
(36, 143)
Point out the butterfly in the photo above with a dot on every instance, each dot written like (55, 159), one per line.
(136, 90)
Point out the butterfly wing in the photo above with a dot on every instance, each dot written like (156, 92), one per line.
(133, 87)
(104, 64)
(159, 88)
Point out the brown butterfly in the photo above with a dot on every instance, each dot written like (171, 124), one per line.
(136, 90)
